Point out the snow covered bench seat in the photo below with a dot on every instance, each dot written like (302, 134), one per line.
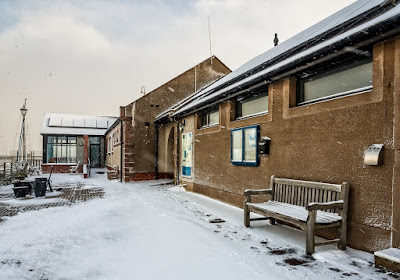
(308, 205)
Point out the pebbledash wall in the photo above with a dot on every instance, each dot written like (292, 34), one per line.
(321, 141)
(139, 132)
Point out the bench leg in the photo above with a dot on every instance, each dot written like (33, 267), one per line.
(343, 237)
(272, 221)
(246, 215)
(310, 232)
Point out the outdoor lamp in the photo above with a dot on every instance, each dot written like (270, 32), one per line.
(23, 111)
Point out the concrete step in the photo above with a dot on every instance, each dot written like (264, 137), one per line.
(388, 258)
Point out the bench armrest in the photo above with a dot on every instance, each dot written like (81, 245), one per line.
(257, 192)
(325, 205)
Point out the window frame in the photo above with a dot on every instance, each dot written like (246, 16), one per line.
(348, 60)
(247, 97)
(68, 142)
(243, 162)
(207, 114)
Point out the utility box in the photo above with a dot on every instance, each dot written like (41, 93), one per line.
(373, 155)
(263, 145)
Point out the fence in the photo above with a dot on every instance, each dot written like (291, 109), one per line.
(10, 169)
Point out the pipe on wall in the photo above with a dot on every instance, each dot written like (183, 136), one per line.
(122, 151)
(156, 153)
(177, 151)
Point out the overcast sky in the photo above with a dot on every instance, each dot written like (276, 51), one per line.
(90, 57)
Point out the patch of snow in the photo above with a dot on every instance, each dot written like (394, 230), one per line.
(87, 187)
(6, 189)
(142, 230)
(53, 193)
(378, 219)
(34, 201)
(177, 189)
(391, 254)
(75, 124)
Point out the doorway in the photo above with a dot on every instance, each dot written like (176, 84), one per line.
(170, 152)
(94, 151)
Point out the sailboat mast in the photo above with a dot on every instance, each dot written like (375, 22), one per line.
(22, 145)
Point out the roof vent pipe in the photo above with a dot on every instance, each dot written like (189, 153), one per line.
(276, 40)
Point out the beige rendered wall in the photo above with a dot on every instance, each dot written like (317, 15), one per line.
(318, 142)
(113, 157)
(166, 142)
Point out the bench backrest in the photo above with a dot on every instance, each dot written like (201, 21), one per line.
(302, 193)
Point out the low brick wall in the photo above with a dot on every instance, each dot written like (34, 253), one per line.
(59, 168)
(146, 176)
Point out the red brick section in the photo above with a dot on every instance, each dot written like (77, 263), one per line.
(85, 149)
(46, 168)
(143, 176)
(129, 145)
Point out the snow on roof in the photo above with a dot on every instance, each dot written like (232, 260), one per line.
(308, 36)
(65, 124)
(184, 101)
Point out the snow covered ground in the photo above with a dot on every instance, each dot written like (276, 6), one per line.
(152, 230)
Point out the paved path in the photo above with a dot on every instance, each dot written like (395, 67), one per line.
(64, 194)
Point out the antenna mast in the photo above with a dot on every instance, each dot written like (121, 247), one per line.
(209, 38)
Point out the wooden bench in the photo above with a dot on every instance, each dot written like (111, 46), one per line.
(308, 205)
(113, 174)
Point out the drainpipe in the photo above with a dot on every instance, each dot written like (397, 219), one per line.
(156, 163)
(122, 150)
(177, 152)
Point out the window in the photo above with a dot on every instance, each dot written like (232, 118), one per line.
(110, 147)
(210, 118)
(61, 149)
(254, 104)
(352, 77)
(244, 150)
(187, 153)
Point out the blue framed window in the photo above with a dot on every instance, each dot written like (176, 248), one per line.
(244, 148)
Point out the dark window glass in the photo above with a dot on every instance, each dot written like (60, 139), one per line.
(210, 118)
(61, 149)
(94, 140)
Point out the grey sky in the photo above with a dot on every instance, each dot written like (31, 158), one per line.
(90, 57)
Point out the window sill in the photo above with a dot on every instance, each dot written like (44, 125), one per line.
(245, 163)
(252, 116)
(59, 163)
(208, 126)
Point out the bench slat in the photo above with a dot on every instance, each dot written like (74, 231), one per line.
(308, 184)
(296, 212)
